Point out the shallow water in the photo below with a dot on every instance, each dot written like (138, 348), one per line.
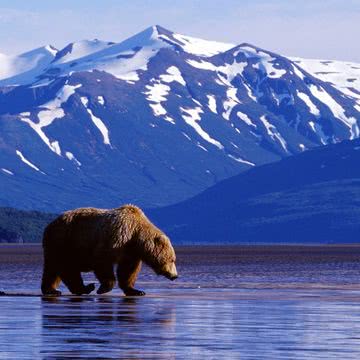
(235, 304)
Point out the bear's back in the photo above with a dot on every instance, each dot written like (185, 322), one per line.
(79, 227)
(98, 229)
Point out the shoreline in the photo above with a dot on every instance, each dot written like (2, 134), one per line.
(186, 253)
(219, 245)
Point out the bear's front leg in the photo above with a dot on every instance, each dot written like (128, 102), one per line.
(127, 272)
(50, 281)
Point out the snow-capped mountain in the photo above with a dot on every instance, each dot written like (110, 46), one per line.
(159, 117)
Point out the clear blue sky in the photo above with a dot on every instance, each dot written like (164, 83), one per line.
(308, 28)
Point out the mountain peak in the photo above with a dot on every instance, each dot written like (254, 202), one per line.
(46, 50)
(161, 30)
(189, 44)
(148, 37)
(51, 49)
(80, 49)
(17, 70)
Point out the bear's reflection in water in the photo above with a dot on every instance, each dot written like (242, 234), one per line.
(108, 327)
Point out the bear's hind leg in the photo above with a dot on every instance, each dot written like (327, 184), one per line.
(105, 274)
(50, 281)
(74, 282)
(127, 272)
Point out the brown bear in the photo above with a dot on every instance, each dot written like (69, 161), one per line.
(89, 239)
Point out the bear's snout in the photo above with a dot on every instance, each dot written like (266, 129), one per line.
(170, 272)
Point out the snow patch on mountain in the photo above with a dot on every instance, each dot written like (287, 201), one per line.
(273, 132)
(97, 122)
(62, 97)
(173, 74)
(297, 72)
(157, 91)
(234, 69)
(244, 117)
(229, 70)
(212, 103)
(158, 109)
(317, 129)
(230, 102)
(53, 146)
(37, 127)
(306, 99)
(201, 47)
(125, 69)
(202, 147)
(202, 65)
(270, 70)
(71, 157)
(27, 162)
(156, 94)
(191, 117)
(53, 110)
(337, 110)
(101, 100)
(238, 159)
(7, 171)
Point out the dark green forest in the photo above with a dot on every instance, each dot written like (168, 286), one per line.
(20, 226)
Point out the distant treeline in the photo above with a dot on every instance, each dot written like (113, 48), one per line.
(20, 226)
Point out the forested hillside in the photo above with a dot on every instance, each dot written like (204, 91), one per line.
(18, 226)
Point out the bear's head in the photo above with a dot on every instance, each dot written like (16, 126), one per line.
(160, 256)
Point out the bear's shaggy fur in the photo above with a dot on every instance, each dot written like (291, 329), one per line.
(89, 239)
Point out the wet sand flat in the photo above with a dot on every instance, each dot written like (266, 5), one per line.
(259, 302)
(225, 254)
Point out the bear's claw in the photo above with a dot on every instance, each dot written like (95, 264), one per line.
(52, 292)
(85, 290)
(89, 288)
(134, 292)
(103, 289)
